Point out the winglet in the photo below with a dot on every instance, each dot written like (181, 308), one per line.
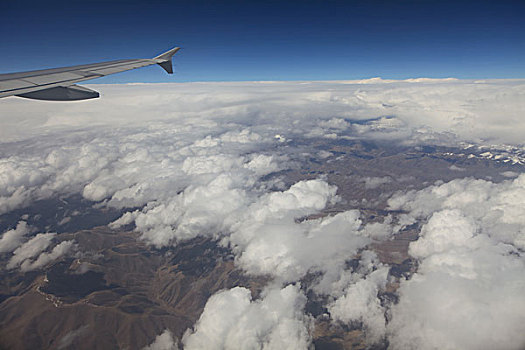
(164, 59)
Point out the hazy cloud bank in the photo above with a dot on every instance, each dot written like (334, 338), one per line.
(473, 110)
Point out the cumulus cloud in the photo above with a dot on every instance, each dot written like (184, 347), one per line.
(199, 210)
(164, 341)
(45, 258)
(374, 182)
(12, 239)
(233, 320)
(30, 249)
(215, 207)
(31, 255)
(360, 303)
(467, 292)
(497, 209)
(456, 168)
(288, 250)
(267, 239)
(263, 231)
(137, 167)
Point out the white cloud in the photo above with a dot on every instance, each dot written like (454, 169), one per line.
(164, 341)
(446, 230)
(199, 210)
(467, 292)
(262, 231)
(262, 164)
(324, 154)
(335, 123)
(30, 249)
(31, 255)
(497, 209)
(360, 303)
(305, 197)
(467, 298)
(456, 168)
(13, 238)
(209, 164)
(288, 250)
(45, 258)
(375, 182)
(232, 320)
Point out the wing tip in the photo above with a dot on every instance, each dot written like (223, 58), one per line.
(164, 59)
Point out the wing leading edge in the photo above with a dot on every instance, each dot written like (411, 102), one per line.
(58, 84)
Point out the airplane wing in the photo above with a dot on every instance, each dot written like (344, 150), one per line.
(58, 84)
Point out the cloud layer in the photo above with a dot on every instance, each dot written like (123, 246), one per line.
(103, 149)
(482, 109)
(188, 160)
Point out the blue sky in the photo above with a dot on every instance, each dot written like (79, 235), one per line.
(270, 40)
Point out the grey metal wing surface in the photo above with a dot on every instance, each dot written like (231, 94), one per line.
(58, 84)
